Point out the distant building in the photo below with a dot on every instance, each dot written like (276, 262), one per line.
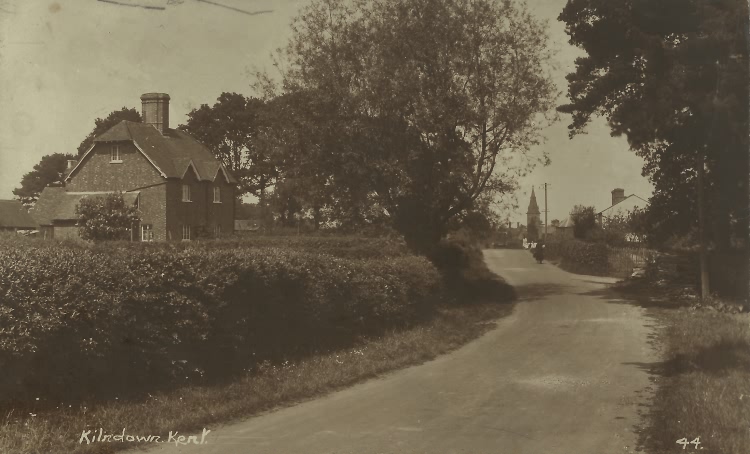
(178, 185)
(14, 217)
(564, 228)
(621, 205)
(533, 221)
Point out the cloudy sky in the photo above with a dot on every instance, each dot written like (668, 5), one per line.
(64, 63)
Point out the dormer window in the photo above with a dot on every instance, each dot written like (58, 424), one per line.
(186, 193)
(217, 194)
(114, 154)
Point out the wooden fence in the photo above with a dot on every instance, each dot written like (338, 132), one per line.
(624, 260)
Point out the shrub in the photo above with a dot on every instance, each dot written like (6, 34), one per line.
(87, 320)
(106, 217)
(579, 256)
(466, 276)
(584, 220)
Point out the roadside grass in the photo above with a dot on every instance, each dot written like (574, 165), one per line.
(704, 380)
(192, 408)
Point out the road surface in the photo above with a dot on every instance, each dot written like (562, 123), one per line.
(563, 374)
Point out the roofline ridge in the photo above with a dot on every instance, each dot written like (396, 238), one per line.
(195, 170)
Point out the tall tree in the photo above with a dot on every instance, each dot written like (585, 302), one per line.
(51, 169)
(101, 125)
(421, 106)
(671, 76)
(230, 129)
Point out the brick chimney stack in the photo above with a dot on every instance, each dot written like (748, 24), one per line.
(618, 195)
(155, 110)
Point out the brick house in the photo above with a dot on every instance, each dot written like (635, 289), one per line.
(179, 187)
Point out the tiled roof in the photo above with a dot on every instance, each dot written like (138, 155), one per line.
(56, 204)
(14, 215)
(628, 198)
(171, 153)
(565, 223)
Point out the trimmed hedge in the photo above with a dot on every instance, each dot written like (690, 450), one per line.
(466, 275)
(87, 321)
(579, 256)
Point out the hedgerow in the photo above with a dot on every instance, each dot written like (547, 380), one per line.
(83, 321)
(579, 256)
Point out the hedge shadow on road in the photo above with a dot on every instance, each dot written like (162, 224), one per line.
(533, 292)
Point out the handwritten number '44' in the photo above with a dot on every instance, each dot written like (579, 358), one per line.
(684, 442)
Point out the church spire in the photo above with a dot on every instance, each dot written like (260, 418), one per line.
(533, 207)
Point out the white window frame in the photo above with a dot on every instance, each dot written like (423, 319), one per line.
(114, 154)
(187, 195)
(186, 232)
(217, 194)
(145, 230)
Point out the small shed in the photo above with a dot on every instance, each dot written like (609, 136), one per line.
(14, 217)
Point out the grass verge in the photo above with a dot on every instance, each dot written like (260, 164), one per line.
(703, 381)
(192, 408)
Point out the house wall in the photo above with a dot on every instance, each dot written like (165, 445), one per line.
(221, 213)
(66, 230)
(201, 212)
(98, 173)
(181, 213)
(46, 232)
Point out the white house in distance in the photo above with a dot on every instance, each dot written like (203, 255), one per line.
(621, 205)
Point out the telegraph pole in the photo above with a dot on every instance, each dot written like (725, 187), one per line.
(545, 210)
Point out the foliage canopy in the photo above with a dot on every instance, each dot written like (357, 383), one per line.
(420, 107)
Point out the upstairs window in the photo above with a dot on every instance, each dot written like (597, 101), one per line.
(185, 232)
(114, 154)
(186, 193)
(217, 194)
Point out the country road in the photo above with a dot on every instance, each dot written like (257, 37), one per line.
(565, 373)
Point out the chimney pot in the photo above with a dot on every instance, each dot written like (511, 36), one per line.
(618, 195)
(71, 163)
(155, 110)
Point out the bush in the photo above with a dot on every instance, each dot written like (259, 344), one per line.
(466, 276)
(579, 256)
(106, 217)
(89, 320)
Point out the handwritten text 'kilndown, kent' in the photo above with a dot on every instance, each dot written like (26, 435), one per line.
(94, 436)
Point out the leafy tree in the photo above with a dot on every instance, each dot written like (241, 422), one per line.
(106, 217)
(584, 220)
(671, 76)
(231, 129)
(420, 107)
(51, 169)
(104, 124)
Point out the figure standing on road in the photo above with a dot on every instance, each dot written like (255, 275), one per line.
(539, 251)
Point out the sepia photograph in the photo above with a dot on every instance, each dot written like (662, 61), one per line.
(374, 226)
